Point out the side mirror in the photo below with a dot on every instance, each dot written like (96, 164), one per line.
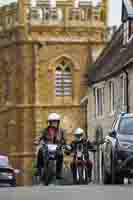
(67, 149)
(112, 133)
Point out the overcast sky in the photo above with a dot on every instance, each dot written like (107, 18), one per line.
(114, 13)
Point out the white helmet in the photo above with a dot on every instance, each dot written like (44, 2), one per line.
(53, 117)
(79, 131)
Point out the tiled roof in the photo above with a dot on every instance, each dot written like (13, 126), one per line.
(129, 6)
(113, 59)
(115, 56)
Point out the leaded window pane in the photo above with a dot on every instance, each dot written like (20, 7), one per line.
(64, 79)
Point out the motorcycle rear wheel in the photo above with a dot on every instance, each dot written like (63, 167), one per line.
(79, 175)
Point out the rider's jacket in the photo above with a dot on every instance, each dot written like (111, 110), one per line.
(54, 135)
(83, 145)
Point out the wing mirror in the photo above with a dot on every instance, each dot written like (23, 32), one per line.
(112, 133)
(67, 149)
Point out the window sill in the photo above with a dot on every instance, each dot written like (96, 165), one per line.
(100, 117)
(111, 114)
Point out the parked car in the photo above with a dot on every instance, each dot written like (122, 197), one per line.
(7, 172)
(117, 151)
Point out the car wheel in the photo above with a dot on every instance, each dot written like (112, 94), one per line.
(115, 177)
(105, 176)
(119, 180)
(113, 170)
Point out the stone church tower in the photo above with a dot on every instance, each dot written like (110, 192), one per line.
(46, 48)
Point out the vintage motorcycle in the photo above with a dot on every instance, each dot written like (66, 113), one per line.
(48, 172)
(79, 166)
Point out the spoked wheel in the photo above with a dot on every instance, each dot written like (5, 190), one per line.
(85, 178)
(115, 177)
(79, 175)
(49, 174)
(76, 175)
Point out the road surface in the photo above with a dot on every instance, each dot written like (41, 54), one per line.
(94, 192)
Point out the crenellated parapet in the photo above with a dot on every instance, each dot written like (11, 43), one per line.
(9, 16)
(69, 13)
(61, 13)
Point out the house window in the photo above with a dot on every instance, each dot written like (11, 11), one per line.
(111, 97)
(46, 14)
(82, 14)
(64, 79)
(59, 84)
(125, 32)
(67, 82)
(124, 89)
(130, 28)
(99, 100)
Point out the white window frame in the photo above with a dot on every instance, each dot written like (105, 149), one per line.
(99, 111)
(111, 97)
(124, 89)
(125, 32)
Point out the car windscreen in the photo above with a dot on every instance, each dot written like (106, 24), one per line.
(126, 126)
(4, 162)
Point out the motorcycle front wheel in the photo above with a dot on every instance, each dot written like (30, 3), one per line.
(48, 172)
(85, 176)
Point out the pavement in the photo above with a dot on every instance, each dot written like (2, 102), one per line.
(94, 192)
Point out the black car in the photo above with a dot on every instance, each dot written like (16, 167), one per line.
(117, 151)
(7, 173)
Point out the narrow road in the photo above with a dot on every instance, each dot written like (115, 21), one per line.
(94, 192)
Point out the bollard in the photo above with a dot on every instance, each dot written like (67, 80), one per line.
(98, 156)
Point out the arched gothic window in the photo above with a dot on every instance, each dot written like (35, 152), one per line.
(64, 79)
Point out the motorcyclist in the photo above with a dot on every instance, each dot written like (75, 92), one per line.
(80, 138)
(53, 134)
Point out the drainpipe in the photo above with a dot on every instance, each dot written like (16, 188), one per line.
(127, 93)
